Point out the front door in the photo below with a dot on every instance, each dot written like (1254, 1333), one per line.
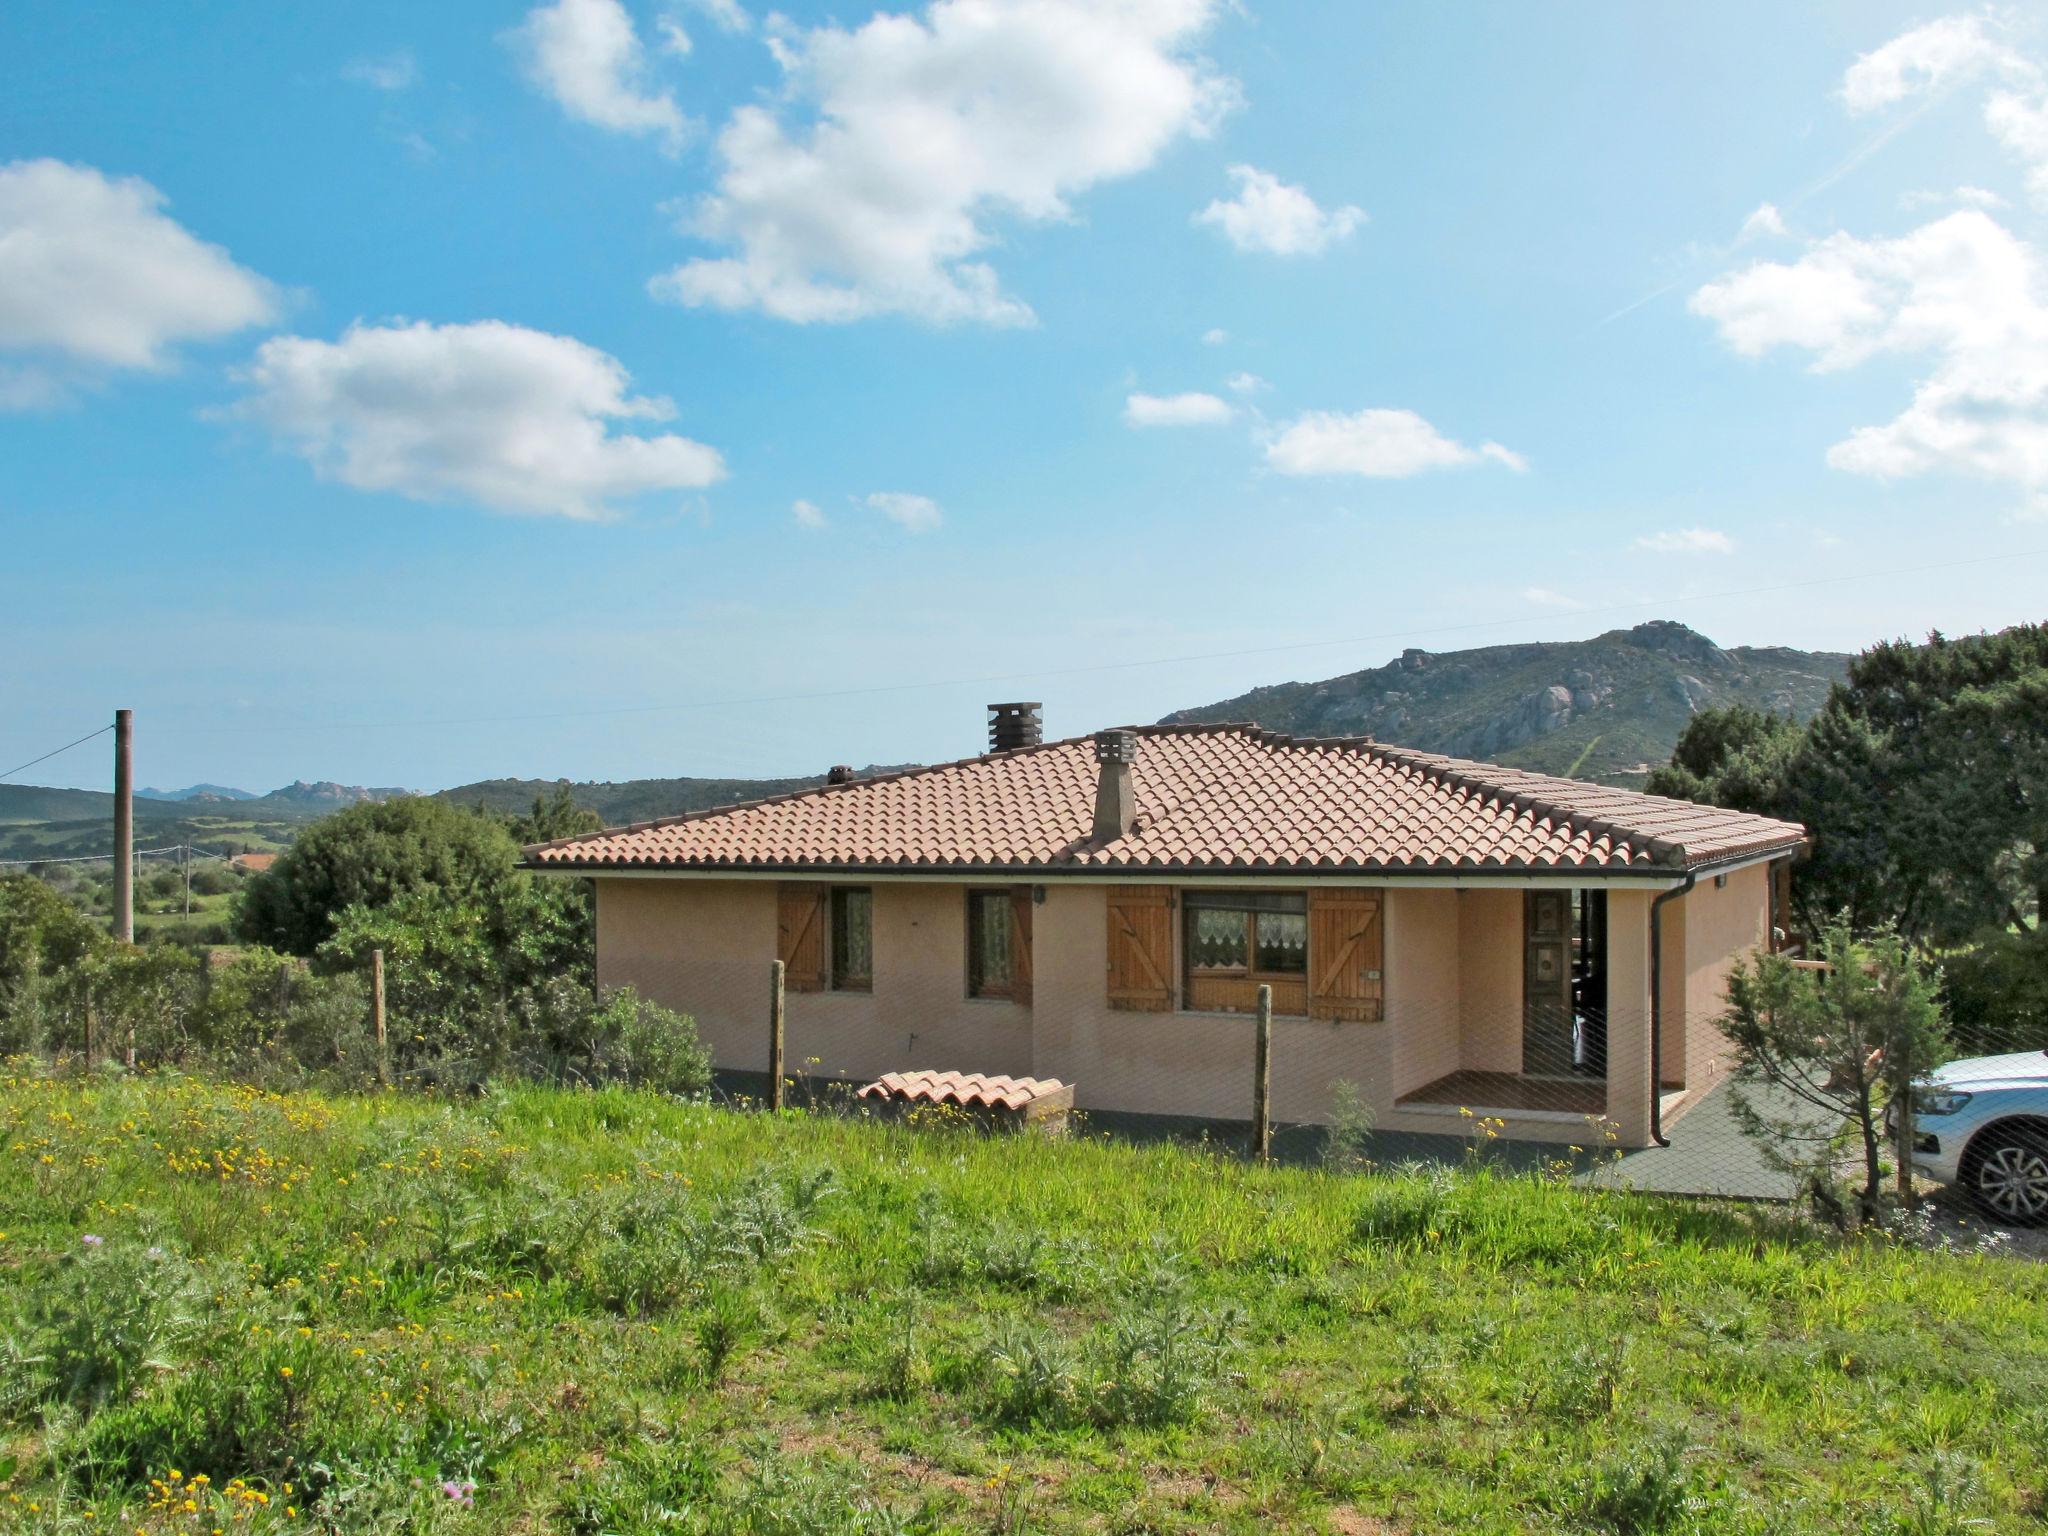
(1547, 983)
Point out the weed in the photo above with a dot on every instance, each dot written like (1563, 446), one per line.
(729, 1318)
(1030, 1375)
(1643, 1491)
(86, 1328)
(1946, 1504)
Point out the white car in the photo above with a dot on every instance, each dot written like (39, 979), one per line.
(1981, 1124)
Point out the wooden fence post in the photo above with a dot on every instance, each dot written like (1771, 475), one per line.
(1262, 1079)
(377, 1017)
(775, 971)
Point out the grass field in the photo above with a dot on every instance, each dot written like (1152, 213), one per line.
(608, 1312)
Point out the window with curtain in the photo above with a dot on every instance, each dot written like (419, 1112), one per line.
(853, 939)
(1233, 940)
(990, 968)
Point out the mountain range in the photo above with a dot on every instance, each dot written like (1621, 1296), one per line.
(1609, 709)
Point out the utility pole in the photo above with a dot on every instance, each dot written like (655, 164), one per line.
(185, 869)
(124, 825)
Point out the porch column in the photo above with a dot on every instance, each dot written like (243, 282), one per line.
(1628, 1014)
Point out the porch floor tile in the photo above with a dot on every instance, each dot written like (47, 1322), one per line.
(1509, 1090)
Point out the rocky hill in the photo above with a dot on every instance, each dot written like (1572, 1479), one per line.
(1608, 708)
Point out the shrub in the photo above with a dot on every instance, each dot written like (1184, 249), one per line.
(1997, 994)
(621, 1037)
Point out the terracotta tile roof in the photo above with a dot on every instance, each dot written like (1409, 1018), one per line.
(967, 1089)
(1211, 798)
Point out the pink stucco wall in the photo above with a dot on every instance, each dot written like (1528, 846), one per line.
(1453, 998)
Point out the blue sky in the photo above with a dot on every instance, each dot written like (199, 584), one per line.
(408, 395)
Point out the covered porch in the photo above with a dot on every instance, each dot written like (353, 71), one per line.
(1527, 1006)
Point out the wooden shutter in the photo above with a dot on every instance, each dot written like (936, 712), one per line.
(801, 921)
(1346, 953)
(1020, 945)
(1141, 948)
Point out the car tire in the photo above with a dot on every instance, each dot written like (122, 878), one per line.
(2007, 1174)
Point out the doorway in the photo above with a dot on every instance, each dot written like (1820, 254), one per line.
(1564, 984)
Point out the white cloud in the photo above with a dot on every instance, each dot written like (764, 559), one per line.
(508, 418)
(587, 57)
(1544, 597)
(95, 275)
(1189, 410)
(924, 129)
(675, 38)
(727, 15)
(1941, 53)
(396, 71)
(1380, 444)
(1273, 216)
(1687, 541)
(2021, 125)
(1960, 197)
(1764, 224)
(913, 514)
(1215, 336)
(1951, 51)
(1245, 384)
(1963, 290)
(808, 514)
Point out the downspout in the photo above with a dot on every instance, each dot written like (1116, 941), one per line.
(1657, 1006)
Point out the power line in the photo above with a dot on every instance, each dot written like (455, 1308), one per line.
(1104, 666)
(10, 773)
(94, 858)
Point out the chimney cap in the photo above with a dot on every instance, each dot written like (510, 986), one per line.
(1118, 746)
(839, 773)
(1014, 725)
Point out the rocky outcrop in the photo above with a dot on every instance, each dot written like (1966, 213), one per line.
(1598, 707)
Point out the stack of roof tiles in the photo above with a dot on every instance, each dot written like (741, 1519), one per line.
(1217, 798)
(968, 1090)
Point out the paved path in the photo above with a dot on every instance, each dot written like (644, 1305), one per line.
(1709, 1154)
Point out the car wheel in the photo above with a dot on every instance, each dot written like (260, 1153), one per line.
(2009, 1176)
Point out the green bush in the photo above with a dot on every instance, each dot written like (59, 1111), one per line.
(1997, 994)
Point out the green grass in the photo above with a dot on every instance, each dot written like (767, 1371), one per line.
(616, 1313)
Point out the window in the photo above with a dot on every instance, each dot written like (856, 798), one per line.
(853, 939)
(990, 961)
(1234, 941)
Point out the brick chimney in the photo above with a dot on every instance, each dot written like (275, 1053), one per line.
(840, 773)
(1011, 726)
(1116, 802)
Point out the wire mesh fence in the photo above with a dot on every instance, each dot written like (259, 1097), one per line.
(1473, 1045)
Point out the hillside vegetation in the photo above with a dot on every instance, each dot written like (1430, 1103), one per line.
(1609, 708)
(613, 1312)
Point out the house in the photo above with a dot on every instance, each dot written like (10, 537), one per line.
(1443, 935)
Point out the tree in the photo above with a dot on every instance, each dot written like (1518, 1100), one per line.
(553, 816)
(370, 855)
(1923, 781)
(1834, 1046)
(43, 939)
(1735, 756)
